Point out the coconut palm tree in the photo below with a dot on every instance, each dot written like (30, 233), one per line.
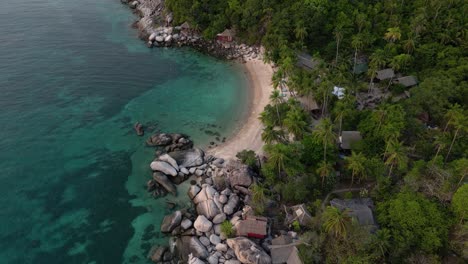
(357, 42)
(324, 170)
(295, 122)
(395, 155)
(338, 33)
(277, 156)
(336, 222)
(356, 163)
(458, 121)
(300, 32)
(324, 133)
(276, 99)
(393, 34)
(271, 135)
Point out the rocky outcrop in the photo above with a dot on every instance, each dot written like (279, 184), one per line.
(238, 174)
(248, 252)
(162, 179)
(170, 160)
(192, 245)
(170, 222)
(163, 167)
(156, 254)
(188, 158)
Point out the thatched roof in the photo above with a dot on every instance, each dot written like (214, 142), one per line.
(406, 81)
(306, 61)
(281, 240)
(252, 226)
(360, 209)
(385, 74)
(185, 25)
(308, 102)
(227, 33)
(286, 254)
(301, 214)
(347, 138)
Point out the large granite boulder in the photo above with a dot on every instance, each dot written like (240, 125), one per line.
(188, 158)
(193, 191)
(164, 182)
(171, 221)
(170, 160)
(207, 193)
(202, 224)
(163, 167)
(219, 218)
(248, 252)
(238, 173)
(191, 245)
(208, 208)
(194, 260)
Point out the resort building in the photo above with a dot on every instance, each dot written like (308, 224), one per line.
(407, 81)
(226, 36)
(284, 251)
(360, 209)
(298, 213)
(385, 74)
(252, 226)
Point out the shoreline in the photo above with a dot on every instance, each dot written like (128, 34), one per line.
(248, 136)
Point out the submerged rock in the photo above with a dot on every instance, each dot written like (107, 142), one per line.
(170, 222)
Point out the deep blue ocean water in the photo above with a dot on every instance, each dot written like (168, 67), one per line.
(74, 79)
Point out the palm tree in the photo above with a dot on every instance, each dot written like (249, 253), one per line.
(395, 155)
(258, 197)
(277, 156)
(295, 122)
(459, 121)
(324, 132)
(357, 43)
(271, 135)
(338, 33)
(276, 99)
(381, 240)
(393, 34)
(378, 59)
(324, 170)
(409, 45)
(300, 32)
(336, 221)
(356, 163)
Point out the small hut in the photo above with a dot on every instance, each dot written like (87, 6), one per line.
(226, 36)
(385, 74)
(298, 213)
(252, 226)
(348, 138)
(407, 81)
(185, 28)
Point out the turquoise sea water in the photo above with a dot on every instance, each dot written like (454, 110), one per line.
(73, 80)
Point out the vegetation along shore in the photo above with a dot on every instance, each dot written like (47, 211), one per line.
(355, 148)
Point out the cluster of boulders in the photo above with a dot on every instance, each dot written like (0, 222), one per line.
(155, 28)
(219, 193)
(170, 142)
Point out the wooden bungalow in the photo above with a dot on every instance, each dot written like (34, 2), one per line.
(348, 138)
(298, 213)
(226, 36)
(185, 28)
(252, 226)
(385, 74)
(407, 81)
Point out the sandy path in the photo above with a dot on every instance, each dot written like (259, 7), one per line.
(249, 135)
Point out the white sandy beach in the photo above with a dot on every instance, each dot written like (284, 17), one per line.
(249, 135)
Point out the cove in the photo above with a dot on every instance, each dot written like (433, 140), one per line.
(74, 79)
